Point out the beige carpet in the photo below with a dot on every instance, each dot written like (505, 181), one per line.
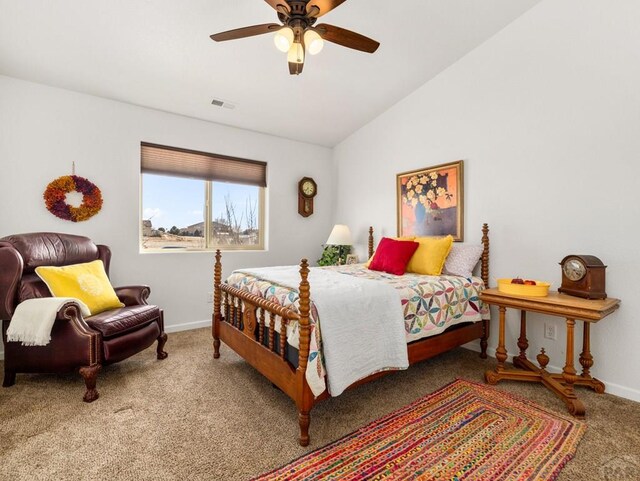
(190, 417)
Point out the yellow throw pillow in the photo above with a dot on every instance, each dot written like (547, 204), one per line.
(430, 256)
(405, 238)
(87, 282)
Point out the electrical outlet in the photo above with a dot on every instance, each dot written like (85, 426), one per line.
(209, 297)
(550, 331)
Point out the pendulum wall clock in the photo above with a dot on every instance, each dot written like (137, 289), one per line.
(307, 190)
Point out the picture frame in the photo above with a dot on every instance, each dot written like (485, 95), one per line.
(430, 201)
(352, 259)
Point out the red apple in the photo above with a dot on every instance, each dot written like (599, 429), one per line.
(529, 282)
(517, 280)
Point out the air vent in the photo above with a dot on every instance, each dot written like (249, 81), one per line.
(223, 103)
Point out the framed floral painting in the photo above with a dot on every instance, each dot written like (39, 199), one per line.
(430, 201)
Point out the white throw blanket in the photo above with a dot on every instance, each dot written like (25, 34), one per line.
(361, 322)
(33, 319)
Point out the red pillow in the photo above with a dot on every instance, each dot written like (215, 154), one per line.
(392, 256)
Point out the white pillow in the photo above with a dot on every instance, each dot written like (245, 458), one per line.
(462, 259)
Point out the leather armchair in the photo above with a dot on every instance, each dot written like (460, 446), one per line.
(76, 342)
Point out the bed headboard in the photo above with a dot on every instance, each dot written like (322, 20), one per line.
(370, 242)
(484, 259)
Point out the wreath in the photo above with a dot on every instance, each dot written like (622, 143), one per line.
(55, 197)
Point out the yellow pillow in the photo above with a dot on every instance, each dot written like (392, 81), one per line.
(87, 282)
(430, 256)
(405, 238)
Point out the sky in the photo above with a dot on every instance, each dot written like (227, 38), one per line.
(169, 201)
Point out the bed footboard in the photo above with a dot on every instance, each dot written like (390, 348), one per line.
(247, 324)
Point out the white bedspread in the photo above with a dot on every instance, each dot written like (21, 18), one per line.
(361, 322)
(33, 319)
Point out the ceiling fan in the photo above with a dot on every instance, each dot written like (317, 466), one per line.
(299, 34)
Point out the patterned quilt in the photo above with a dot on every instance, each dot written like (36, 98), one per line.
(430, 305)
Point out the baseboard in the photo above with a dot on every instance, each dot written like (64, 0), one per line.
(611, 388)
(187, 326)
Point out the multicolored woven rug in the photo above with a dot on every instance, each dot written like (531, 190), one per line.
(463, 431)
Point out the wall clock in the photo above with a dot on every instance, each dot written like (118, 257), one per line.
(583, 276)
(307, 190)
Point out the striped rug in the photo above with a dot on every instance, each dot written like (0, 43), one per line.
(463, 431)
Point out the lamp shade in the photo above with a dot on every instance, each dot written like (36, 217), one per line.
(313, 41)
(340, 236)
(283, 39)
(296, 53)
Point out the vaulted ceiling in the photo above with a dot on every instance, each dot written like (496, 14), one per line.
(157, 53)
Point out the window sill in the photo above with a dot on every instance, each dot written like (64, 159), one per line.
(184, 250)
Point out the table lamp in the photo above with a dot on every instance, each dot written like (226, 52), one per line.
(341, 237)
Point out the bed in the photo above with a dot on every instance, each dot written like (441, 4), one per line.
(273, 323)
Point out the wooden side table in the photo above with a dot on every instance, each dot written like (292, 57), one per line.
(560, 305)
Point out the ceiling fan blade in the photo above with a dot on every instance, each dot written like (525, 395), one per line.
(245, 32)
(295, 68)
(322, 7)
(279, 6)
(346, 38)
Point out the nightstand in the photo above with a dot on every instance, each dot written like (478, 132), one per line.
(560, 305)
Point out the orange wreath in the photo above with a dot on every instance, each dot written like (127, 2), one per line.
(55, 197)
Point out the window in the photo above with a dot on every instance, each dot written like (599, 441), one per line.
(195, 201)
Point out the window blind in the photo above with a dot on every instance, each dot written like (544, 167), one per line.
(160, 159)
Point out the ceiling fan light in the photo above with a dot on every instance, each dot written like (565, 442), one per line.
(283, 39)
(296, 53)
(313, 42)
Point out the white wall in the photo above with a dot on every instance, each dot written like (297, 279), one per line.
(546, 115)
(44, 129)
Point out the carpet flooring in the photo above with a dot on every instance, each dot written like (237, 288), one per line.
(190, 417)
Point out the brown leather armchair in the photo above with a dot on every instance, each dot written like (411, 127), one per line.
(76, 342)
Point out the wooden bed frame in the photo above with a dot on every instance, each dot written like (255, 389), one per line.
(248, 327)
